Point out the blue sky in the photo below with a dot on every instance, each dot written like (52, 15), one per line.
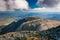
(32, 3)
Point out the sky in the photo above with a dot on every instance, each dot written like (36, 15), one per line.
(41, 5)
(45, 5)
(32, 5)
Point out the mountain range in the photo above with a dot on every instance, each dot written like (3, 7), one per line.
(30, 24)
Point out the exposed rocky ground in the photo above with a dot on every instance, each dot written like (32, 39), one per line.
(50, 34)
(31, 27)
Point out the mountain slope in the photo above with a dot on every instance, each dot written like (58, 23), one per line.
(14, 25)
(30, 24)
(50, 34)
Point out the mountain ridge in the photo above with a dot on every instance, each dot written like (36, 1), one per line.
(30, 23)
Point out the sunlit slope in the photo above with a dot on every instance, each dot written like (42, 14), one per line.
(6, 21)
(39, 24)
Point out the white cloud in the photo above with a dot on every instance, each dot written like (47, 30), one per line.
(21, 4)
(18, 4)
(2, 5)
(46, 7)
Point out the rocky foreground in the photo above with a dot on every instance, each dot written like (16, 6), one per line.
(50, 34)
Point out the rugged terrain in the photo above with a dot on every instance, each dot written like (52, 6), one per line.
(30, 24)
(50, 34)
(31, 28)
